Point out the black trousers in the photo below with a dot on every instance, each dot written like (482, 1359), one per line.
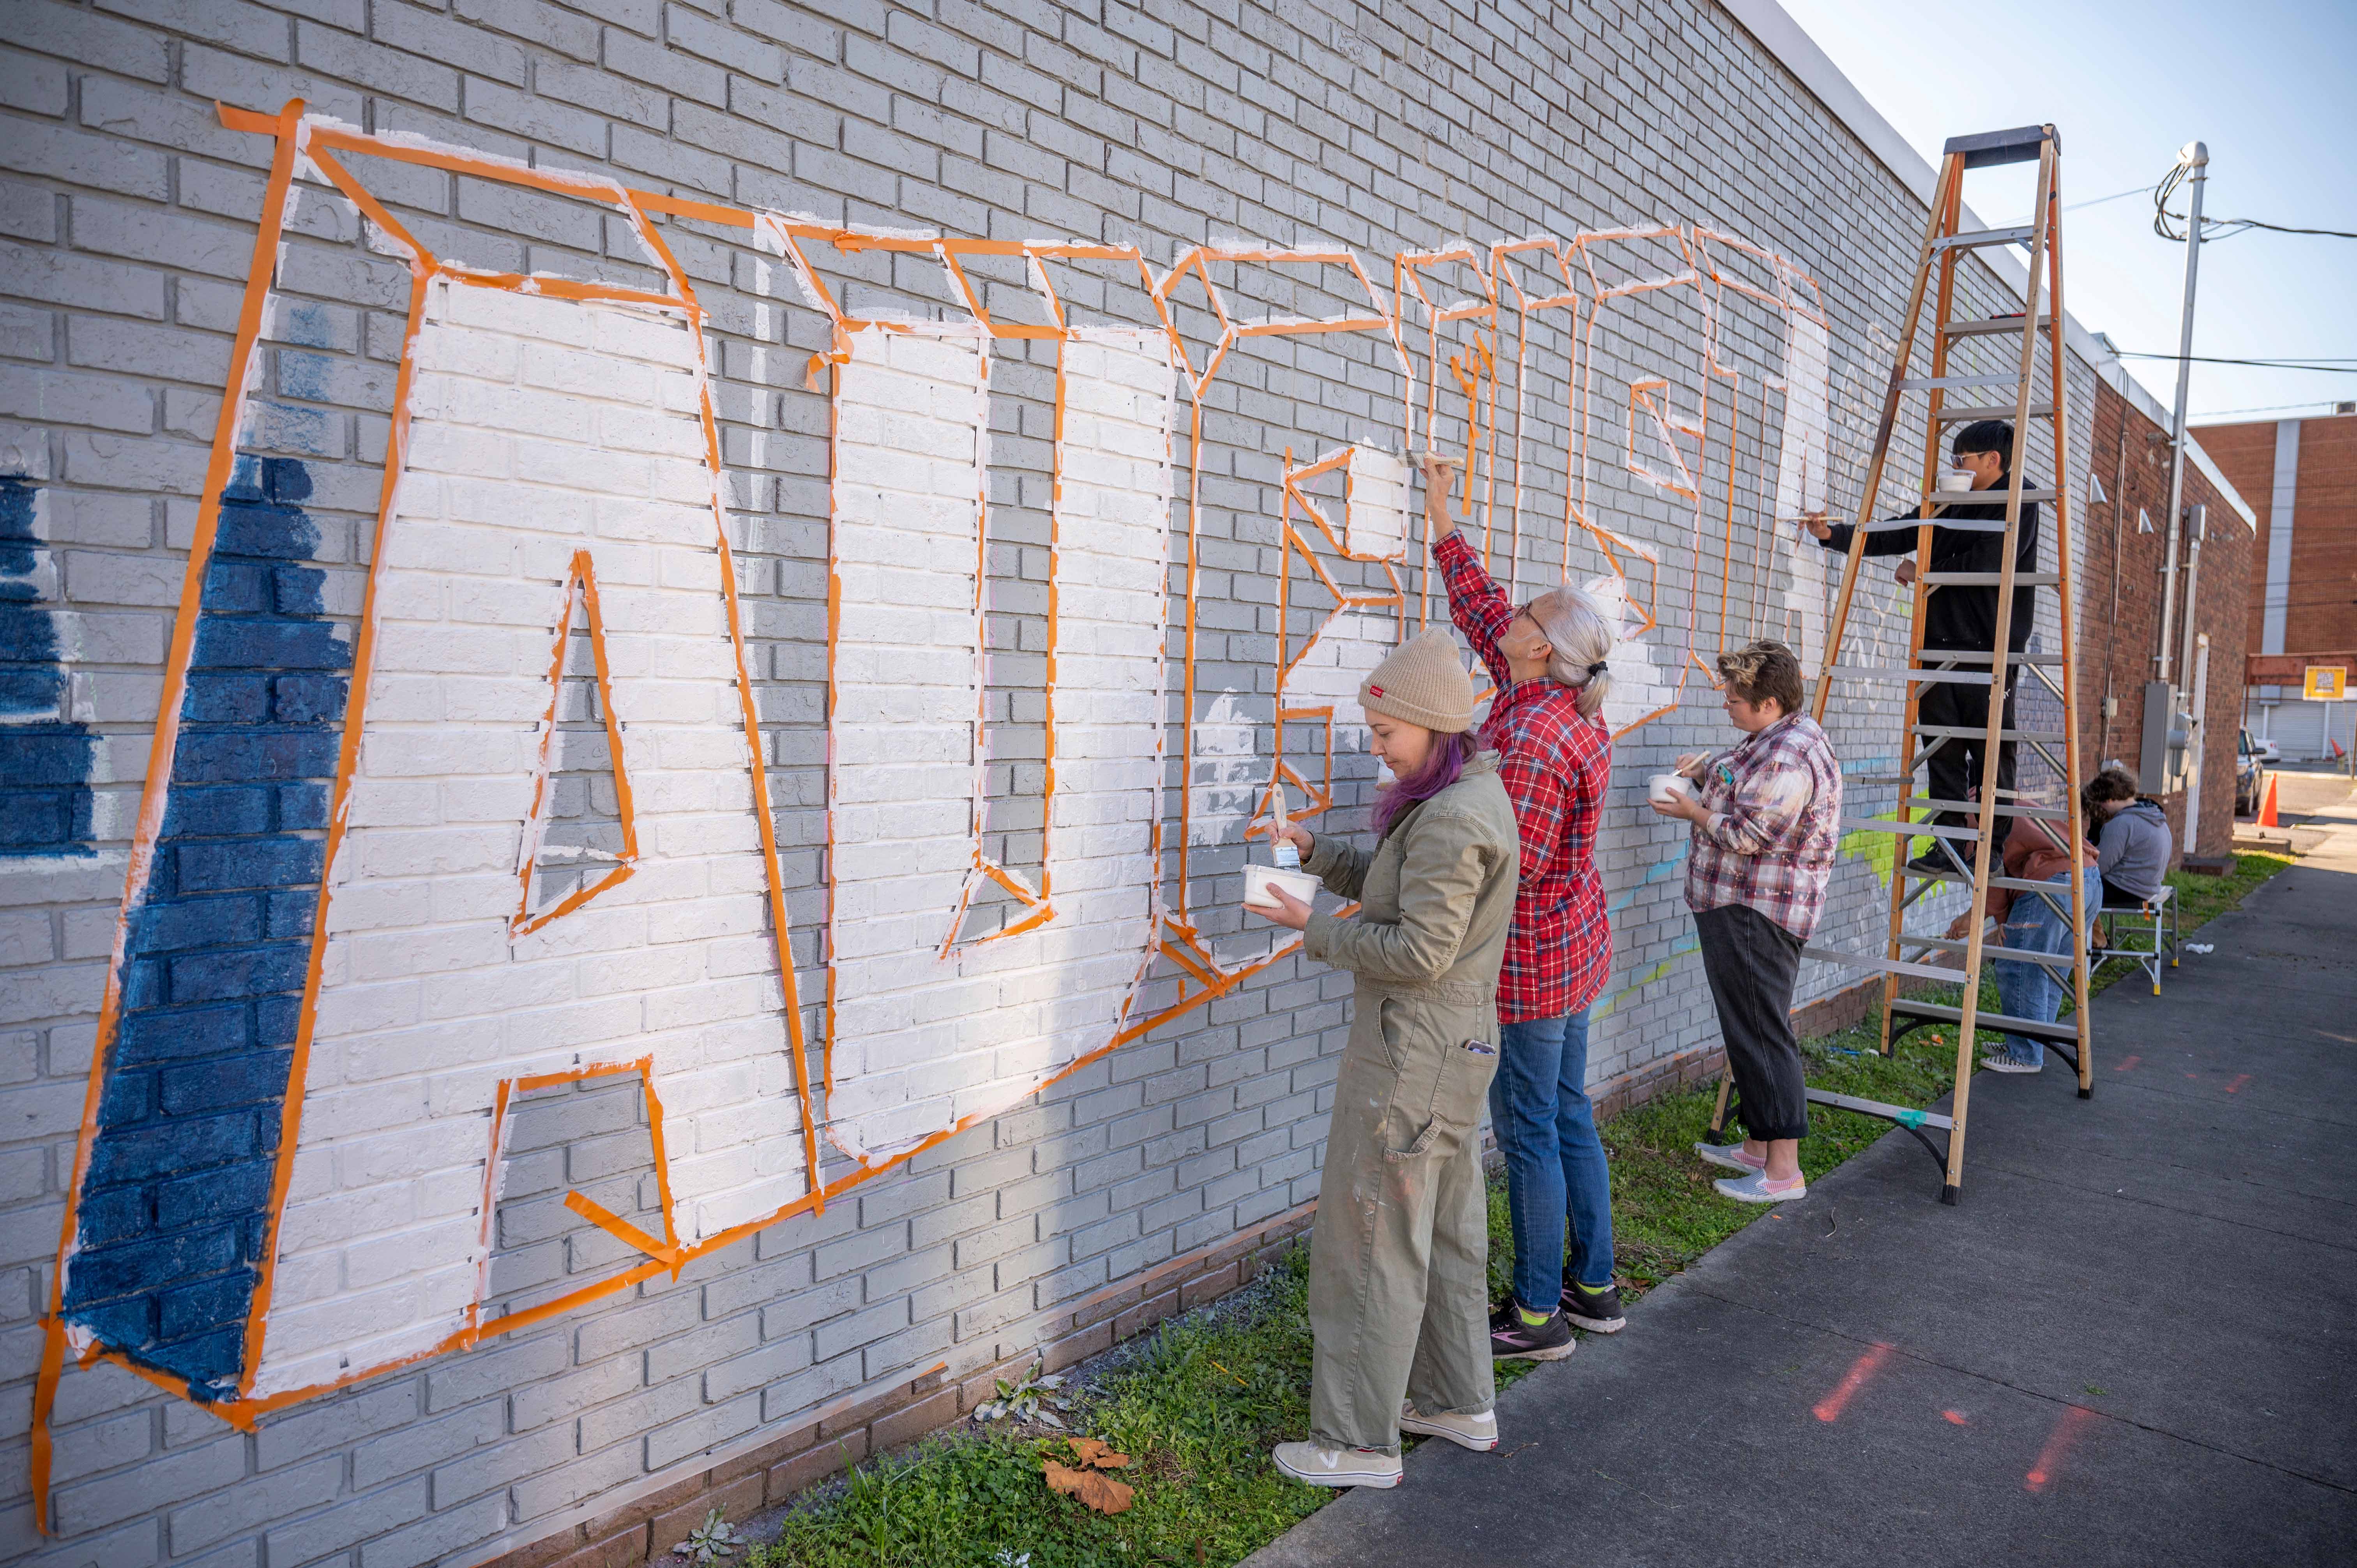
(1955, 765)
(1751, 962)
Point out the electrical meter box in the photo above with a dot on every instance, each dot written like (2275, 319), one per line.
(2167, 732)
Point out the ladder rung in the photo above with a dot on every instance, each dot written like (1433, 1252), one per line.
(2055, 959)
(1886, 965)
(2014, 883)
(1954, 525)
(1899, 1113)
(1983, 656)
(1899, 672)
(1973, 239)
(1994, 1023)
(1958, 413)
(1982, 498)
(1988, 579)
(1954, 732)
(2003, 809)
(1944, 384)
(1908, 829)
(1989, 325)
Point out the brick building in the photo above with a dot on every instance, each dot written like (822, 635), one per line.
(2121, 601)
(2300, 475)
(437, 1177)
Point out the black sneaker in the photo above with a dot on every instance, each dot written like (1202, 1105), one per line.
(1511, 1339)
(1936, 862)
(1599, 1312)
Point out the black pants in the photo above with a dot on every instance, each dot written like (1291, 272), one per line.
(1955, 765)
(1751, 962)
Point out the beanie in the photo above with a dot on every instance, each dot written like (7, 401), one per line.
(1422, 683)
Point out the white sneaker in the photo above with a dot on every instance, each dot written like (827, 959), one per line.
(2004, 1064)
(1754, 1189)
(1315, 1465)
(1731, 1156)
(1478, 1433)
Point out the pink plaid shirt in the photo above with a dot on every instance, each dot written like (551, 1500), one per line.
(1554, 766)
(1774, 826)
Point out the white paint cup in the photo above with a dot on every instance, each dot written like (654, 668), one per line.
(1259, 880)
(1663, 787)
(1953, 479)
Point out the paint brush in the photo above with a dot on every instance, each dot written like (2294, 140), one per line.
(1281, 848)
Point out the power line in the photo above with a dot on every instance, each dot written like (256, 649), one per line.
(2331, 367)
(2227, 227)
(2266, 408)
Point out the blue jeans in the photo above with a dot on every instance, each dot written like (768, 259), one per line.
(2026, 990)
(1556, 1169)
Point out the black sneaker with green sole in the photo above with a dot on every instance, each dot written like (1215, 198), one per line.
(1597, 1312)
(1511, 1339)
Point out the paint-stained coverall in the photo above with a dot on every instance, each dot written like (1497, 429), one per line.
(1399, 1260)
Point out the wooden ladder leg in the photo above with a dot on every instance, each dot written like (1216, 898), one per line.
(1718, 1112)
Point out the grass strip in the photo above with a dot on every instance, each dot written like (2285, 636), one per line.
(1199, 1404)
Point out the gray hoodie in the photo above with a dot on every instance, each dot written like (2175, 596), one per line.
(2135, 847)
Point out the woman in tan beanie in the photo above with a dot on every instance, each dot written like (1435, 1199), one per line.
(1399, 1261)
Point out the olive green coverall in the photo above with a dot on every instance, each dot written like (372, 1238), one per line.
(1399, 1260)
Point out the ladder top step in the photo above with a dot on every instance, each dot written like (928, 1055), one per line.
(1985, 149)
(1901, 1114)
(1988, 325)
(2030, 1028)
(1959, 413)
(1886, 965)
(1973, 239)
(1989, 579)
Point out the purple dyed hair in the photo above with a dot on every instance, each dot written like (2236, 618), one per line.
(1443, 765)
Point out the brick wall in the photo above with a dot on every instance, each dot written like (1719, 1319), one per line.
(2120, 606)
(1137, 1183)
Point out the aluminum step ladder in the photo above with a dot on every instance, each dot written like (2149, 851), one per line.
(1969, 854)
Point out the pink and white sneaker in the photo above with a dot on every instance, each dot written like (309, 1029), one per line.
(1731, 1156)
(1757, 1189)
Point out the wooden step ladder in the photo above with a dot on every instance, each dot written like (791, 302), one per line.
(1969, 854)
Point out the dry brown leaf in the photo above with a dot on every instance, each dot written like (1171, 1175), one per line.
(1097, 1451)
(1094, 1488)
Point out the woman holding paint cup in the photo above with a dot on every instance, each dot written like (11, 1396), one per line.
(1399, 1260)
(1546, 724)
(1766, 821)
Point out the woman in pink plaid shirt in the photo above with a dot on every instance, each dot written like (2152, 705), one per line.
(1547, 661)
(1767, 826)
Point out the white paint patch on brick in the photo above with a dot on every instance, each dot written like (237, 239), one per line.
(1640, 686)
(542, 427)
(1225, 775)
(922, 1042)
(1802, 460)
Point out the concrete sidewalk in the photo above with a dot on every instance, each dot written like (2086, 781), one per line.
(2135, 1342)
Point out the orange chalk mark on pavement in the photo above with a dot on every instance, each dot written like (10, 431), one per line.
(1861, 1371)
(1954, 1418)
(2058, 1442)
(2125, 1063)
(2240, 1078)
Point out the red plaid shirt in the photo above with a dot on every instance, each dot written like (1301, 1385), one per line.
(1554, 766)
(1774, 826)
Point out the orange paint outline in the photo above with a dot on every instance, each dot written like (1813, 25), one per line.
(580, 586)
(1290, 541)
(1408, 270)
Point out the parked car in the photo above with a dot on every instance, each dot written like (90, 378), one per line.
(2250, 773)
(2266, 751)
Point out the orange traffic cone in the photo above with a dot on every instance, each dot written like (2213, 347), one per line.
(2267, 805)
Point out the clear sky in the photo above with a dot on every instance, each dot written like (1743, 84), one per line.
(2271, 85)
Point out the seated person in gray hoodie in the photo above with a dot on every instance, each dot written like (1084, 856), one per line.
(2132, 838)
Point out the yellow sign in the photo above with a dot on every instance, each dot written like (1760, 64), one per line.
(2326, 683)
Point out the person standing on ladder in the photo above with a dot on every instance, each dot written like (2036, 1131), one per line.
(1960, 620)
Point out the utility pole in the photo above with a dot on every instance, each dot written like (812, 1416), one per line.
(2195, 155)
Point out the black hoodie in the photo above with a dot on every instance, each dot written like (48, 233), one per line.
(1956, 617)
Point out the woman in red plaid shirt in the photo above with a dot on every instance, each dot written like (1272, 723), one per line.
(1547, 660)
